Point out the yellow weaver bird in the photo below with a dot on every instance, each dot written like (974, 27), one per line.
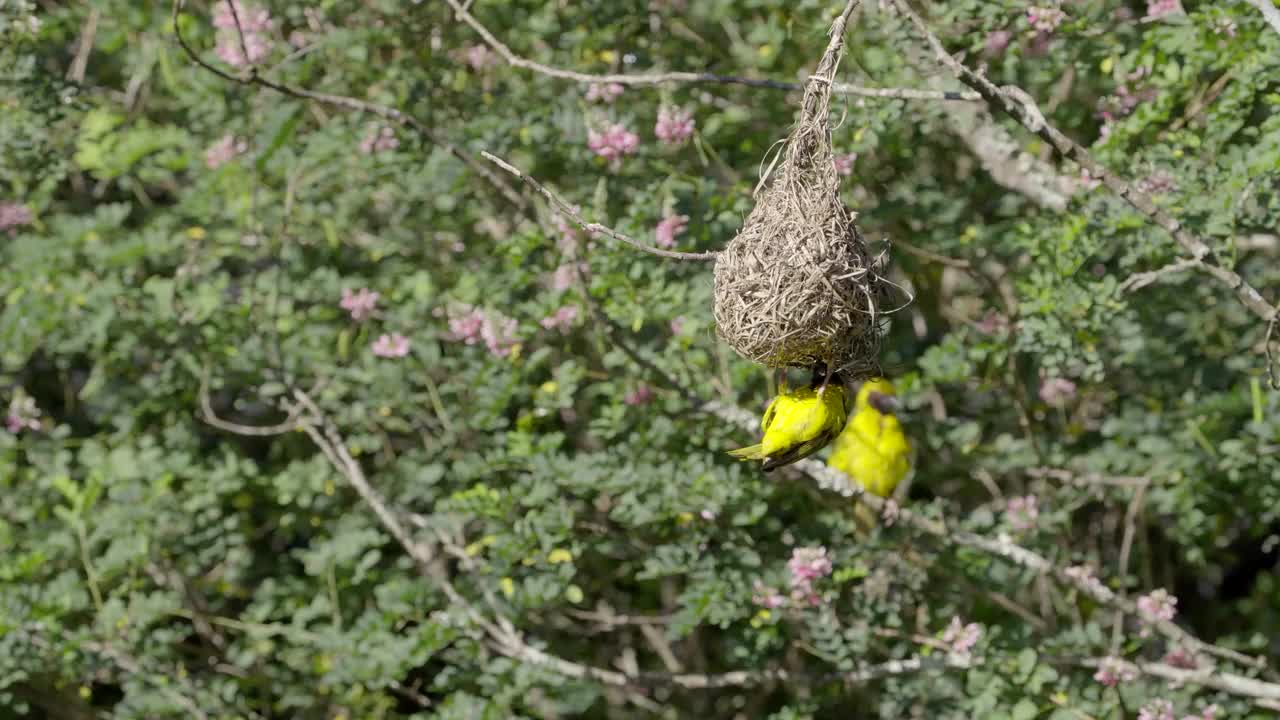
(873, 449)
(798, 424)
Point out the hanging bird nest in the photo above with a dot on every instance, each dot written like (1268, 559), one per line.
(798, 285)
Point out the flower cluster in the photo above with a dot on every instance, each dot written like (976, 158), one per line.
(1156, 710)
(1083, 576)
(1155, 607)
(669, 228)
(1022, 512)
(569, 233)
(1160, 9)
(243, 38)
(844, 163)
(961, 638)
(1057, 392)
(224, 151)
(23, 414)
(642, 395)
(767, 597)
(997, 42)
(394, 345)
(14, 215)
(562, 278)
(1112, 671)
(604, 92)
(1045, 19)
(1159, 182)
(674, 126)
(379, 139)
(1180, 657)
(360, 304)
(479, 57)
(807, 565)
(495, 330)
(614, 143)
(562, 320)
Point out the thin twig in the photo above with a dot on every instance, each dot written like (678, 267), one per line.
(563, 208)
(1143, 279)
(75, 73)
(211, 417)
(390, 114)
(1126, 546)
(515, 60)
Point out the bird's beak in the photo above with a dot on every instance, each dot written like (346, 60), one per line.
(887, 404)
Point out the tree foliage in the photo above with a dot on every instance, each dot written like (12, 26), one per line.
(190, 345)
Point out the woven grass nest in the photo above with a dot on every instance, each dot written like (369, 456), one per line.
(798, 285)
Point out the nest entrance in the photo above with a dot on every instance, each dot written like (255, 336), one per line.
(798, 285)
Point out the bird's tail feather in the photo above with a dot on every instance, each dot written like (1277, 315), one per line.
(751, 452)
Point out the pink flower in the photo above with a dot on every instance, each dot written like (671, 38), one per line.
(1057, 392)
(1180, 657)
(767, 596)
(1155, 607)
(808, 564)
(1158, 183)
(675, 125)
(1045, 19)
(604, 92)
(677, 325)
(962, 637)
(1022, 512)
(844, 163)
(569, 232)
(252, 19)
(1112, 671)
(562, 320)
(224, 151)
(13, 214)
(1225, 26)
(475, 325)
(1208, 713)
(707, 514)
(391, 346)
(360, 304)
(1158, 10)
(890, 512)
(562, 277)
(669, 228)
(1083, 577)
(614, 143)
(23, 413)
(256, 47)
(480, 57)
(992, 322)
(642, 395)
(997, 42)
(379, 139)
(1156, 710)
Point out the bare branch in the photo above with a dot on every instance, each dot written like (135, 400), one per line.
(1020, 106)
(1238, 685)
(210, 417)
(1143, 279)
(563, 208)
(389, 114)
(515, 60)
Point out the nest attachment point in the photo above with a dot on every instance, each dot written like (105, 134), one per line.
(798, 285)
